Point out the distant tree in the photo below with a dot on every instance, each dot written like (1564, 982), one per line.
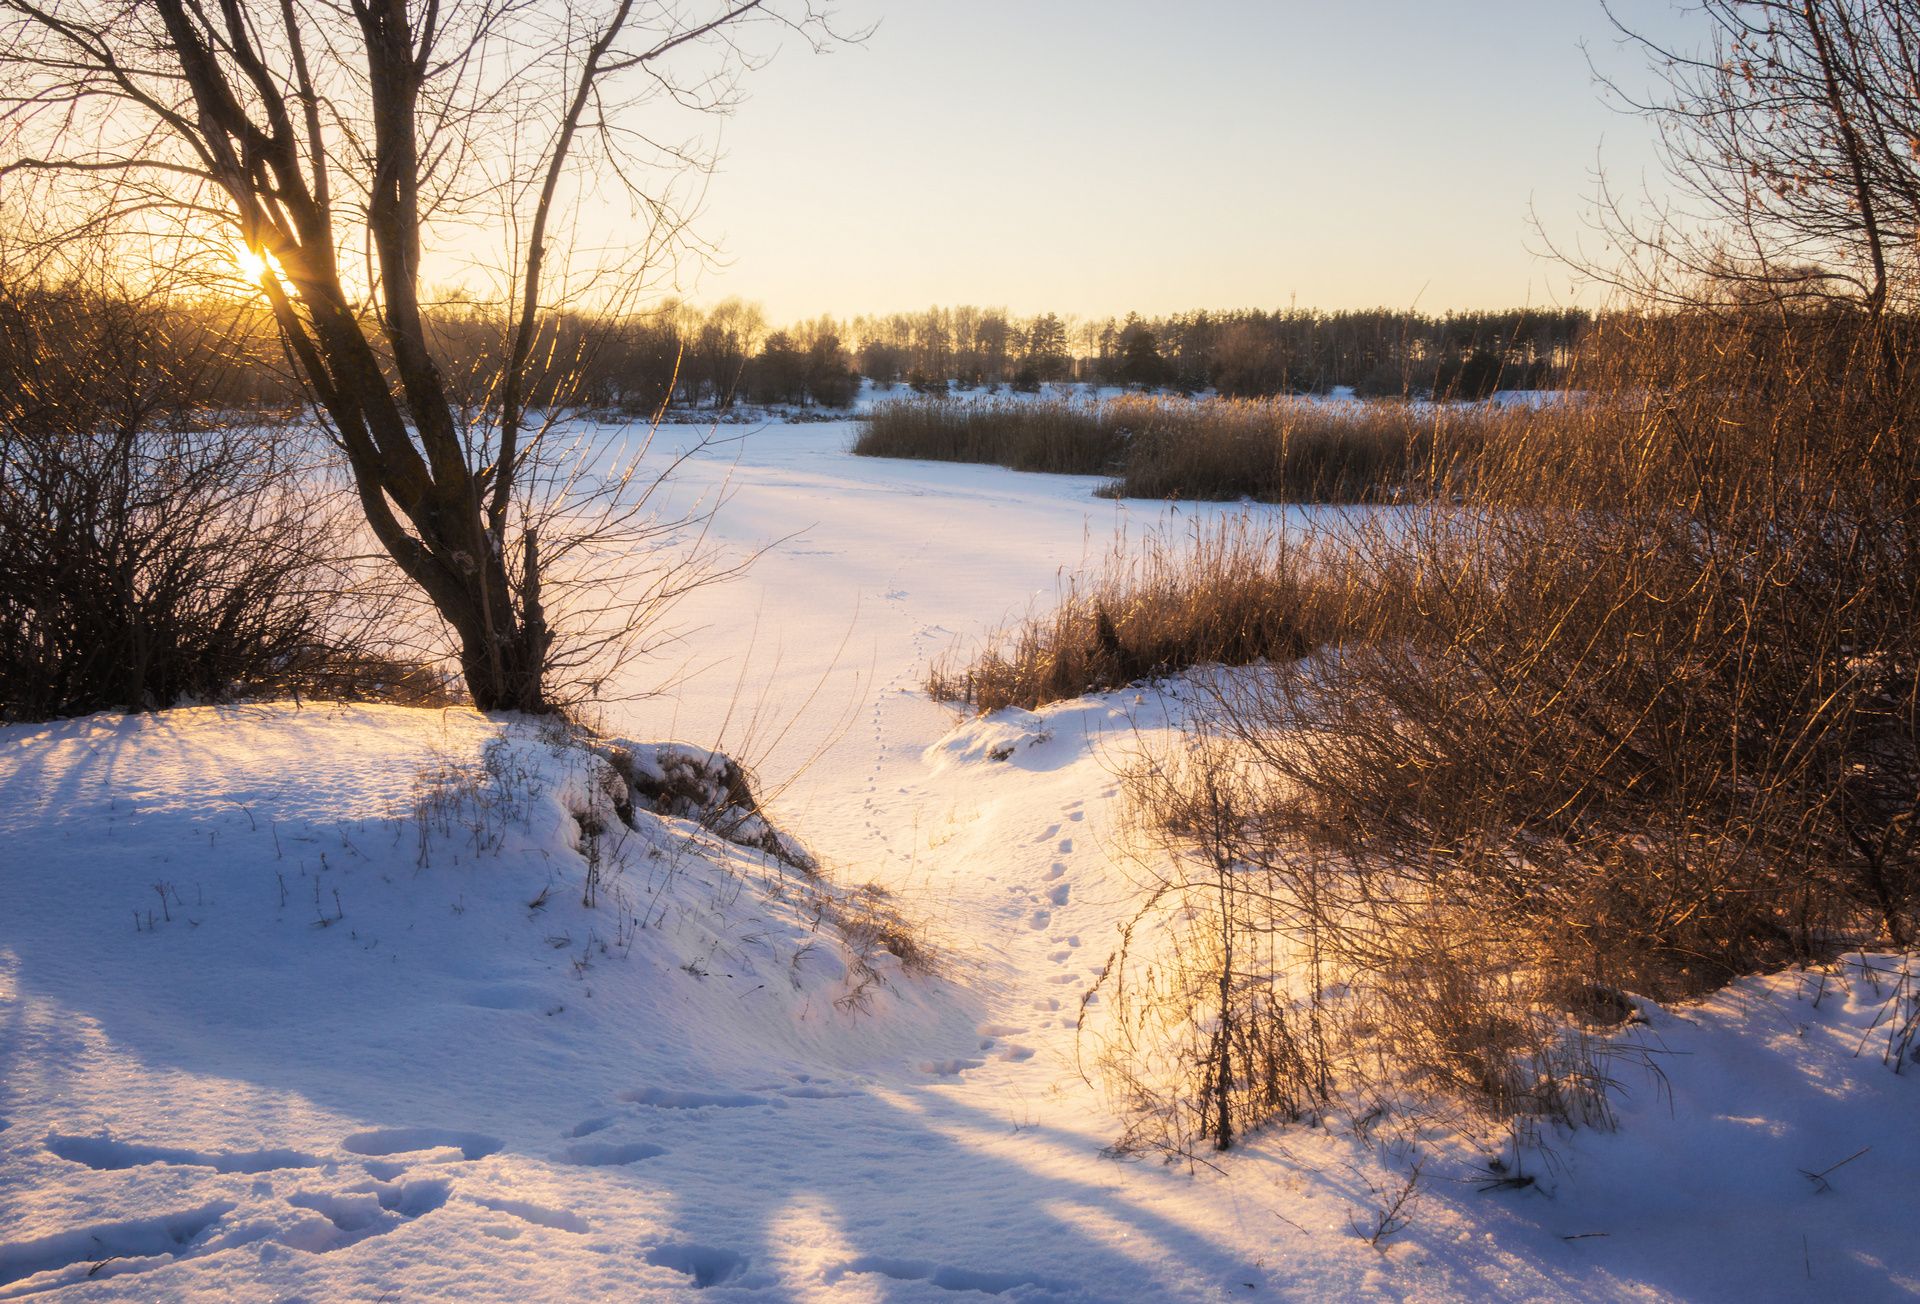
(829, 376)
(778, 373)
(881, 362)
(728, 338)
(1476, 376)
(994, 336)
(1047, 347)
(1138, 360)
(1247, 362)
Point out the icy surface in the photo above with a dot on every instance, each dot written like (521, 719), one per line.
(304, 1003)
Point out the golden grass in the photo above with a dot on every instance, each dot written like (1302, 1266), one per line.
(1209, 449)
(1239, 591)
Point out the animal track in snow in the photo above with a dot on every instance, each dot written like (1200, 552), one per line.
(587, 1127)
(537, 1214)
(706, 1265)
(1056, 869)
(1059, 894)
(405, 1140)
(609, 1154)
(108, 1155)
(372, 1209)
(112, 1248)
(1066, 846)
(1052, 830)
(1039, 919)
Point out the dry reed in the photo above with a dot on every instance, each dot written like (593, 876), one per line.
(1237, 591)
(1207, 449)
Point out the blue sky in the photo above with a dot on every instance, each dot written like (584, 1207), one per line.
(1091, 158)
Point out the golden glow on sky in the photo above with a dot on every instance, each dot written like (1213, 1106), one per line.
(1094, 158)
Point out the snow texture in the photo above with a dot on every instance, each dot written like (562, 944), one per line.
(305, 1004)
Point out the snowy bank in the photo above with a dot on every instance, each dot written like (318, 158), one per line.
(305, 1004)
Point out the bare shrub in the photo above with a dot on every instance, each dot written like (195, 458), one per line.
(150, 550)
(872, 922)
(1208, 1040)
(1639, 712)
(1659, 680)
(1231, 593)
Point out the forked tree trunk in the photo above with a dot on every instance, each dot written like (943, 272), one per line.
(231, 102)
(426, 504)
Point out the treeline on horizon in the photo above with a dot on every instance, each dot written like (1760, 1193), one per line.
(684, 356)
(688, 357)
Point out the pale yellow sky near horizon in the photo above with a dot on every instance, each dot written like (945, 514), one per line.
(1098, 158)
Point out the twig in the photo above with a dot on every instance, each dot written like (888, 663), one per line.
(1819, 1179)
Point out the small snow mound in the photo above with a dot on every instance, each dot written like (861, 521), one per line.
(1058, 735)
(989, 739)
(685, 781)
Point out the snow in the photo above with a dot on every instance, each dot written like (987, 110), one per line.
(303, 1003)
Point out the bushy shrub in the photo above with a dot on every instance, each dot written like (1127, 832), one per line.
(1638, 711)
(151, 551)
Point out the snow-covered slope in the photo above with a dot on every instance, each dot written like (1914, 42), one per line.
(304, 1003)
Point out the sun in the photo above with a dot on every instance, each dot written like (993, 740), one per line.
(253, 265)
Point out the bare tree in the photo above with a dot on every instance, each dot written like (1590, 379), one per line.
(345, 144)
(1793, 135)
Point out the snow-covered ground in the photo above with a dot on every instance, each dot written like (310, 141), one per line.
(304, 1003)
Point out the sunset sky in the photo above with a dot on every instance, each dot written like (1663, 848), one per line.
(1094, 158)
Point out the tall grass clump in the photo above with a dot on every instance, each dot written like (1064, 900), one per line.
(1636, 713)
(1281, 450)
(1275, 450)
(1050, 434)
(1234, 592)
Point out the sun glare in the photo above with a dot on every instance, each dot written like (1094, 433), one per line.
(252, 264)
